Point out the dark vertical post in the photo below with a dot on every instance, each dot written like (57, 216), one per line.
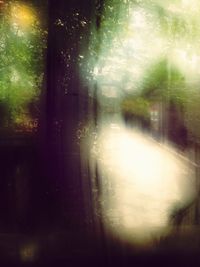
(68, 21)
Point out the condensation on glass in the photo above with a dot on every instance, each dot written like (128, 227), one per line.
(22, 43)
(142, 72)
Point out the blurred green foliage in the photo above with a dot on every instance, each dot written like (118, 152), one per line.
(149, 50)
(164, 82)
(136, 106)
(22, 43)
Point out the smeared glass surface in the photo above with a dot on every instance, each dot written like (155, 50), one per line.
(22, 43)
(142, 67)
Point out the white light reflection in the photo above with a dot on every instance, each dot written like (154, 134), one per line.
(187, 61)
(96, 71)
(139, 19)
(141, 182)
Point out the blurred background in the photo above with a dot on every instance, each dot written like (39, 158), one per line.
(99, 132)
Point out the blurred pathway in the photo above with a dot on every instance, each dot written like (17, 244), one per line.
(141, 181)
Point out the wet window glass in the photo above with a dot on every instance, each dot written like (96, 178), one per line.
(22, 44)
(99, 131)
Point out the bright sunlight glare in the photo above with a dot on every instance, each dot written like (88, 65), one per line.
(147, 182)
(22, 15)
